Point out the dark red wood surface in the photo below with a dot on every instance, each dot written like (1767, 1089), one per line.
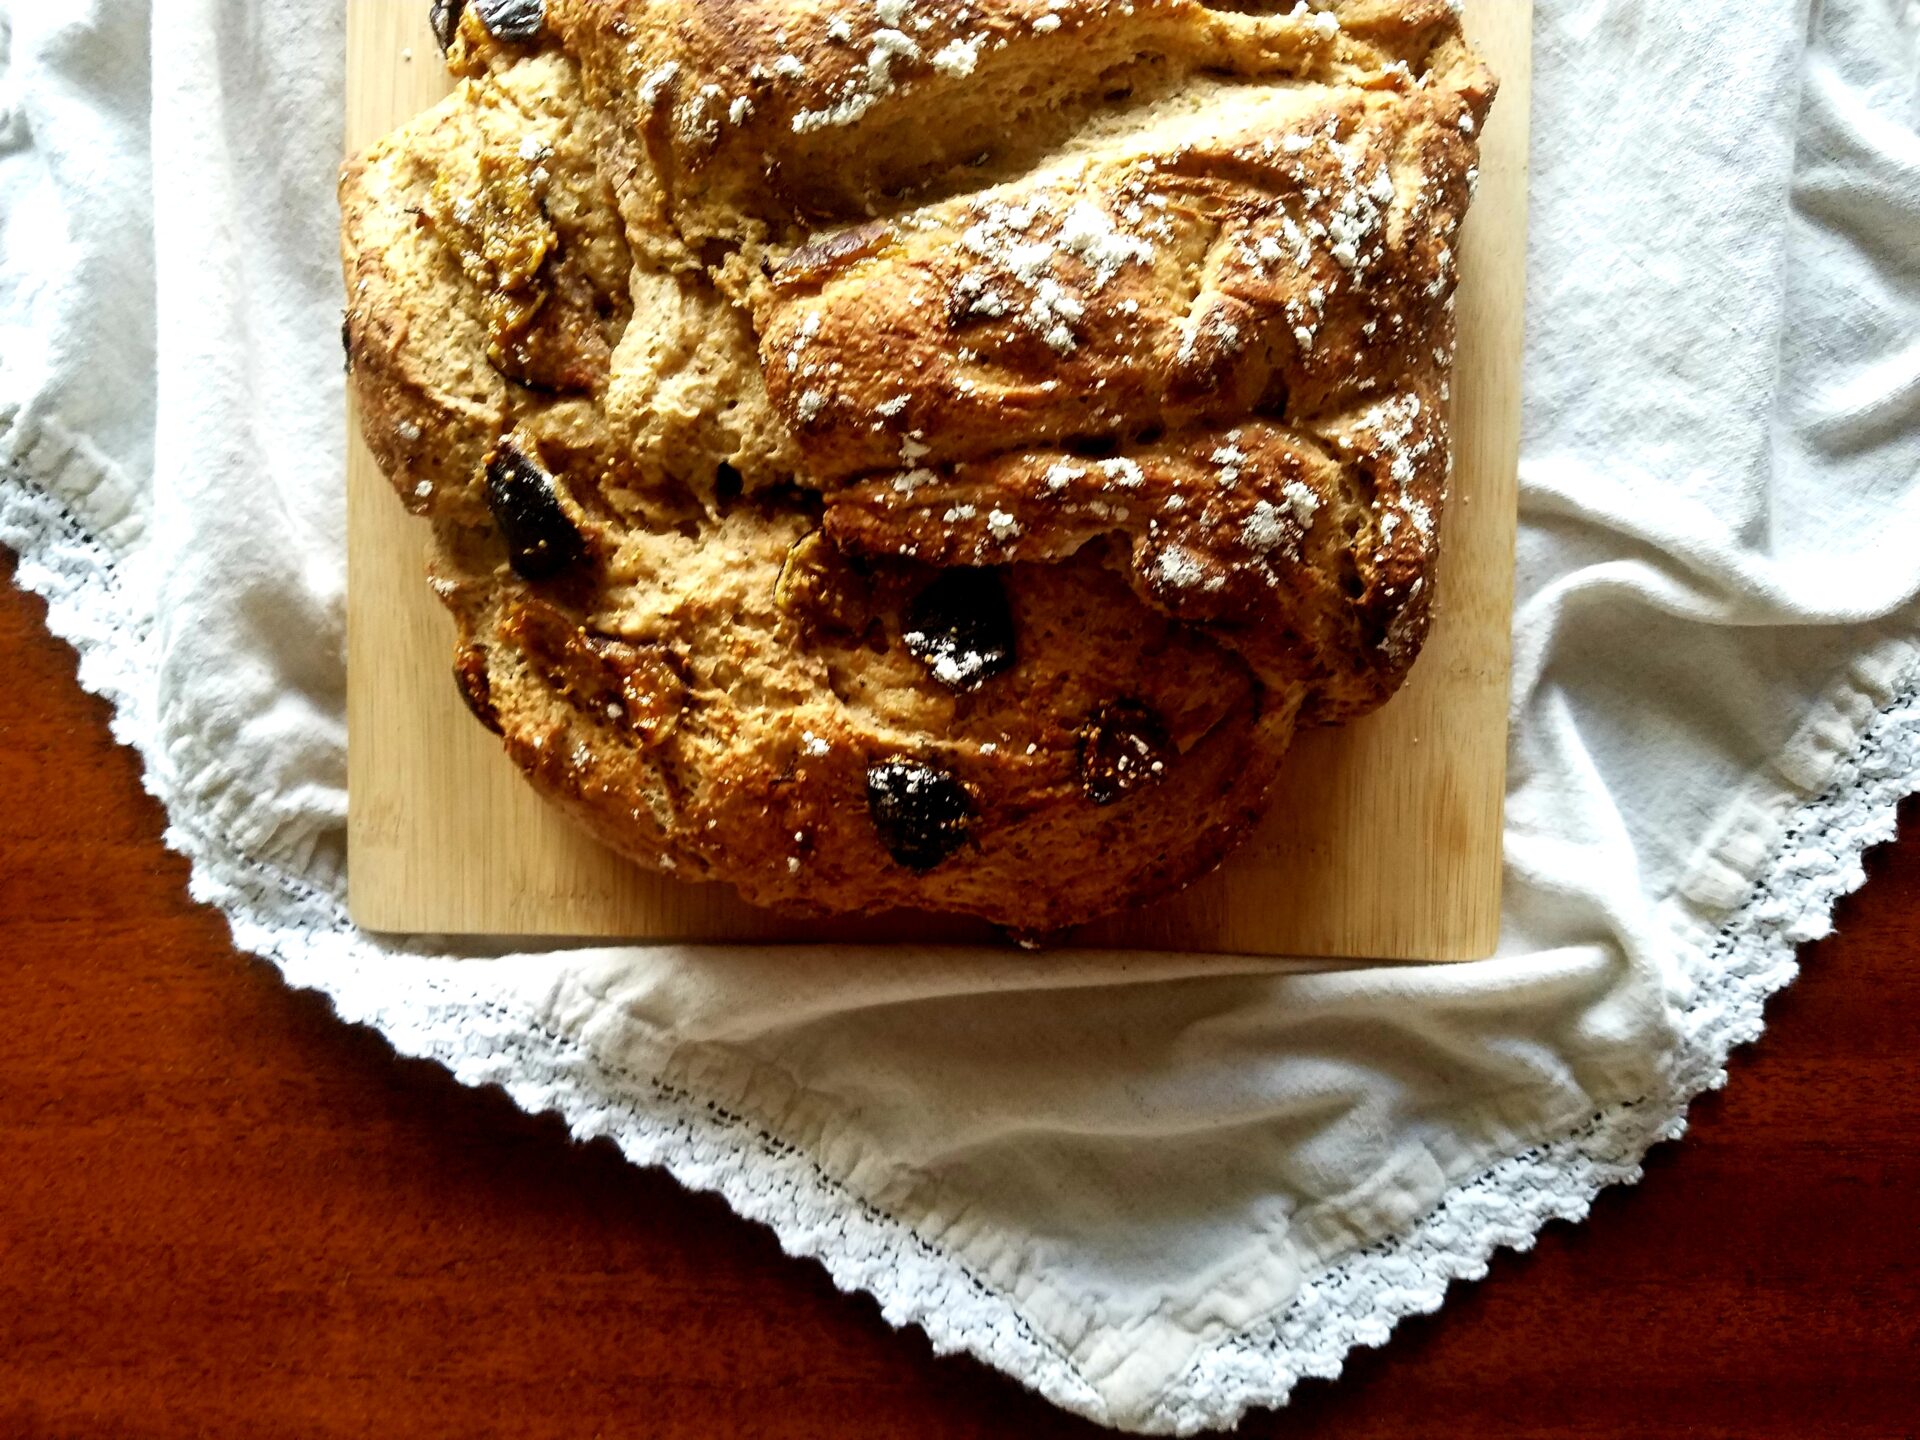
(222, 1213)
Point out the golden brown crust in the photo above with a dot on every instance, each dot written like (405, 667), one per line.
(924, 454)
(769, 119)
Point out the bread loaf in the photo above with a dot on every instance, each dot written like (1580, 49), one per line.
(922, 453)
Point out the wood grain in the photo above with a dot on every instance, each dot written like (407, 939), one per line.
(1384, 840)
(225, 1214)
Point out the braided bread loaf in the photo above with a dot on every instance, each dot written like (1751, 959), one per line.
(922, 453)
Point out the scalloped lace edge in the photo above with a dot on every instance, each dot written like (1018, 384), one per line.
(442, 1015)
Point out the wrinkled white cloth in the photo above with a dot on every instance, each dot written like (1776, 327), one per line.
(1158, 1189)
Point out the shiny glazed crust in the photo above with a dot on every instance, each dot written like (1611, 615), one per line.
(972, 437)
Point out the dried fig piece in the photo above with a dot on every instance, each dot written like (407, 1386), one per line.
(444, 15)
(470, 674)
(652, 689)
(518, 22)
(819, 586)
(559, 347)
(961, 628)
(922, 813)
(489, 206)
(542, 540)
(820, 257)
(638, 685)
(1124, 747)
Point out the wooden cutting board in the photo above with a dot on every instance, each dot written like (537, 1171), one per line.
(1384, 841)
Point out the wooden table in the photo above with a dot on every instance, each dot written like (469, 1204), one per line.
(223, 1213)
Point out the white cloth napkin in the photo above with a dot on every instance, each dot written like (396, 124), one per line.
(1158, 1189)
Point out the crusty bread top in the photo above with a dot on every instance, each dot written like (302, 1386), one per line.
(779, 117)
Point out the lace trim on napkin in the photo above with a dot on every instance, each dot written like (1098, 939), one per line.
(441, 1014)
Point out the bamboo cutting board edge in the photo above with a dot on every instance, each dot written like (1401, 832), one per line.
(1385, 840)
